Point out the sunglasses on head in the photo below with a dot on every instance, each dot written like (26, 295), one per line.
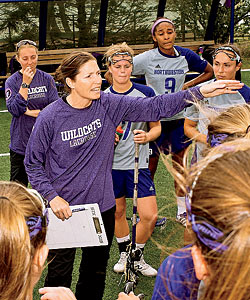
(25, 42)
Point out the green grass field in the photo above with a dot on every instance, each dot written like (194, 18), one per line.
(163, 241)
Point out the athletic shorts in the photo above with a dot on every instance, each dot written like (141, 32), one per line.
(171, 140)
(123, 182)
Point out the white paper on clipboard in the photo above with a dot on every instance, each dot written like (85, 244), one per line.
(84, 229)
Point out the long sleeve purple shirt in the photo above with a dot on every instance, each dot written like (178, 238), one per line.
(42, 91)
(70, 151)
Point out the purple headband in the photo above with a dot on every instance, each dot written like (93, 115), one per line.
(37, 223)
(215, 140)
(207, 233)
(158, 22)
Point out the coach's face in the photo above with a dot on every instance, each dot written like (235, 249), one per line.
(165, 36)
(87, 84)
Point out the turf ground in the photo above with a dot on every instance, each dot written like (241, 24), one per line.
(163, 241)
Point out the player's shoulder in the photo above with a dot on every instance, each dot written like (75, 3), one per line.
(245, 88)
(107, 90)
(245, 92)
(144, 89)
(181, 258)
(15, 76)
(185, 51)
(146, 54)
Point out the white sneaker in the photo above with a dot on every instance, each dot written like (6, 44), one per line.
(145, 268)
(120, 265)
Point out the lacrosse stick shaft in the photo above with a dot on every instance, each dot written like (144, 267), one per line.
(135, 195)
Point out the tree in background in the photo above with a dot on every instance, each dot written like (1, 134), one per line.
(87, 20)
(126, 20)
(130, 21)
(241, 21)
(193, 17)
(75, 22)
(18, 21)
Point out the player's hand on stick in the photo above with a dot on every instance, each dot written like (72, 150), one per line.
(140, 136)
(117, 139)
(220, 87)
(56, 293)
(130, 296)
(60, 208)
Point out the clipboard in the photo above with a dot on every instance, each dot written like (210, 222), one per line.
(83, 229)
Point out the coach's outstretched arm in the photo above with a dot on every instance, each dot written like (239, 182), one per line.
(138, 109)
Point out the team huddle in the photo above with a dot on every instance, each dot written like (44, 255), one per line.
(65, 148)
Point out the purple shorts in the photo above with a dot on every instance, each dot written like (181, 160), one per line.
(123, 182)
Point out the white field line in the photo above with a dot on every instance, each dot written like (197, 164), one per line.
(4, 154)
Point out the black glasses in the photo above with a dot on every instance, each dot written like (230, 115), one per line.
(25, 42)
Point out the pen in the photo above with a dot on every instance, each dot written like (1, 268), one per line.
(78, 209)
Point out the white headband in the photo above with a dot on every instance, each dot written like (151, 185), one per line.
(160, 21)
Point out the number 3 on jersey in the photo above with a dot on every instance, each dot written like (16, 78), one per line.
(169, 85)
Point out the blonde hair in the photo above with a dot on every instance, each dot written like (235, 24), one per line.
(219, 190)
(234, 122)
(117, 48)
(16, 248)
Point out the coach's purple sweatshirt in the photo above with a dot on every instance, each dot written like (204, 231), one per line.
(70, 151)
(42, 92)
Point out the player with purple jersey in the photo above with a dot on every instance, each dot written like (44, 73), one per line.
(165, 68)
(70, 152)
(27, 92)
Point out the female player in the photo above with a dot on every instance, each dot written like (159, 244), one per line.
(70, 152)
(23, 226)
(165, 68)
(176, 276)
(119, 59)
(219, 213)
(226, 65)
(27, 92)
